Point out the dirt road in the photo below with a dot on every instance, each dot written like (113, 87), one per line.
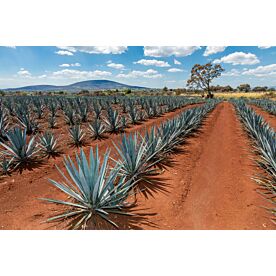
(209, 185)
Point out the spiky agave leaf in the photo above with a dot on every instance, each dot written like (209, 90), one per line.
(135, 161)
(28, 123)
(155, 144)
(94, 190)
(76, 135)
(4, 123)
(18, 149)
(96, 129)
(112, 121)
(48, 144)
(264, 138)
(6, 165)
(52, 121)
(70, 116)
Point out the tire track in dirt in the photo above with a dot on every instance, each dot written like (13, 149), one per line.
(209, 185)
(19, 204)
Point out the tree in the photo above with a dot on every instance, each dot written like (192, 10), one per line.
(202, 76)
(128, 91)
(165, 89)
(244, 87)
(260, 88)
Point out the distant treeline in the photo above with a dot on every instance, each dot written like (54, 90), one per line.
(128, 92)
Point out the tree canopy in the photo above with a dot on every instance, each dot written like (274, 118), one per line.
(202, 76)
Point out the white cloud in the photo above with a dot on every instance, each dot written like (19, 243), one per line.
(165, 51)
(24, 73)
(210, 50)
(70, 65)
(264, 47)
(152, 62)
(239, 58)
(150, 73)
(175, 70)
(95, 49)
(176, 62)
(13, 47)
(115, 65)
(77, 74)
(64, 53)
(262, 71)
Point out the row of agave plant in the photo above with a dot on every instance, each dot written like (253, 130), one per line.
(20, 152)
(264, 138)
(28, 110)
(96, 190)
(267, 105)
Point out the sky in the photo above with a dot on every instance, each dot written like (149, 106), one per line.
(150, 66)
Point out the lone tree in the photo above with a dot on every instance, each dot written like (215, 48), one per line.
(202, 76)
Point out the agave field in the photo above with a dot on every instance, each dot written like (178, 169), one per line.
(157, 162)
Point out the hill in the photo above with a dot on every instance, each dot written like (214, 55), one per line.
(89, 85)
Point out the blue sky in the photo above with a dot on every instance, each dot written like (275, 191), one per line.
(151, 66)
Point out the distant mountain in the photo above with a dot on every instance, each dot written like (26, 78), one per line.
(89, 85)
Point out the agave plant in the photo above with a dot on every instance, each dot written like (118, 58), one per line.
(112, 120)
(83, 113)
(94, 191)
(134, 115)
(53, 108)
(38, 108)
(155, 145)
(19, 150)
(264, 138)
(97, 110)
(70, 116)
(48, 144)
(28, 123)
(4, 123)
(135, 162)
(76, 135)
(6, 165)
(96, 129)
(52, 121)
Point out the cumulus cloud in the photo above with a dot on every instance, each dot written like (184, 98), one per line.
(210, 50)
(118, 66)
(176, 62)
(77, 74)
(165, 51)
(239, 58)
(152, 62)
(70, 65)
(24, 73)
(150, 73)
(261, 71)
(95, 49)
(175, 70)
(64, 53)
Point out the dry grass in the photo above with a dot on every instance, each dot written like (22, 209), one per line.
(236, 95)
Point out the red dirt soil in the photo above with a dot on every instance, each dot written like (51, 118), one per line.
(209, 185)
(19, 204)
(269, 118)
